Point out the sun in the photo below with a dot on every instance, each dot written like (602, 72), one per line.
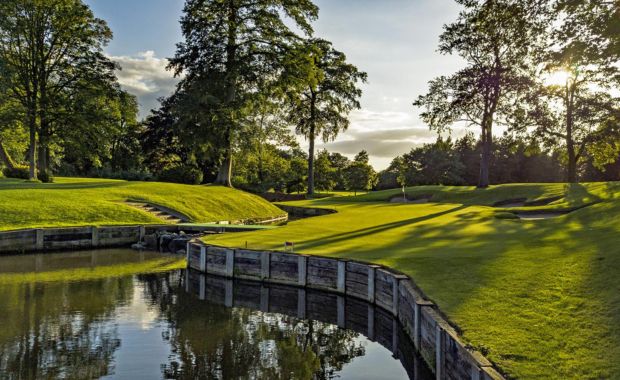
(556, 78)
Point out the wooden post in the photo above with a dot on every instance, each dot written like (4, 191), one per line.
(302, 270)
(417, 325)
(94, 236)
(301, 303)
(39, 240)
(142, 233)
(395, 338)
(371, 322)
(342, 272)
(476, 373)
(396, 292)
(340, 311)
(203, 287)
(188, 250)
(203, 259)
(371, 283)
(417, 322)
(228, 295)
(265, 262)
(264, 299)
(230, 263)
(439, 351)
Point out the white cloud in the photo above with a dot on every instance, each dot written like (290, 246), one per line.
(145, 75)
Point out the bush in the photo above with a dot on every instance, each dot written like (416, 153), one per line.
(21, 172)
(127, 175)
(187, 174)
(45, 177)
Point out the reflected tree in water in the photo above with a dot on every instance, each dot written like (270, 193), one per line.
(213, 341)
(59, 329)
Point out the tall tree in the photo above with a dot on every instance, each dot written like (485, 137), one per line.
(594, 24)
(230, 47)
(495, 38)
(571, 115)
(326, 91)
(324, 172)
(579, 67)
(45, 47)
(360, 174)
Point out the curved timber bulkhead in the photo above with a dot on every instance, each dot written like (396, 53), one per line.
(349, 313)
(435, 339)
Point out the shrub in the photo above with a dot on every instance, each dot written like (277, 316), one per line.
(21, 172)
(128, 175)
(187, 174)
(45, 177)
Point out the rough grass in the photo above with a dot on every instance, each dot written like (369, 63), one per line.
(541, 298)
(82, 201)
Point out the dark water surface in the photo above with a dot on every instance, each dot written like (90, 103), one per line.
(70, 316)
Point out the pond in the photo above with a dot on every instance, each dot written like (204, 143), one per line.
(96, 314)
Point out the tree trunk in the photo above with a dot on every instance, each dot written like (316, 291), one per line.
(571, 167)
(43, 149)
(32, 150)
(311, 163)
(6, 157)
(224, 174)
(485, 159)
(311, 138)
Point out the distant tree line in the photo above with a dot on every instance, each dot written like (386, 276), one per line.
(253, 75)
(513, 159)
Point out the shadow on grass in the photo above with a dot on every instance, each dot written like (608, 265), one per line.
(24, 185)
(313, 243)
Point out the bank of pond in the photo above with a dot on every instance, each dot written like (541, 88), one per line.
(119, 313)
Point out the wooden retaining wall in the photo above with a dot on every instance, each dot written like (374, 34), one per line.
(347, 312)
(51, 239)
(432, 335)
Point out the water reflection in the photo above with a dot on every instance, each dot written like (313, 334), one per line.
(178, 325)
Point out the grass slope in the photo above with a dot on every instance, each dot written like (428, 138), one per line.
(541, 298)
(82, 201)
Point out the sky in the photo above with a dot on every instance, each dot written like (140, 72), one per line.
(394, 41)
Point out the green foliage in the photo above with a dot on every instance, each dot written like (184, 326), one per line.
(48, 50)
(495, 38)
(230, 53)
(359, 174)
(296, 177)
(457, 163)
(20, 172)
(263, 170)
(183, 173)
(324, 172)
(324, 89)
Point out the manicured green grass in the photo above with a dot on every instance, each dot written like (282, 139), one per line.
(82, 201)
(541, 298)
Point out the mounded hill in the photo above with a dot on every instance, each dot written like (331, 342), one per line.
(83, 201)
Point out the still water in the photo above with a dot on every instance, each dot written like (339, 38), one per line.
(120, 314)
